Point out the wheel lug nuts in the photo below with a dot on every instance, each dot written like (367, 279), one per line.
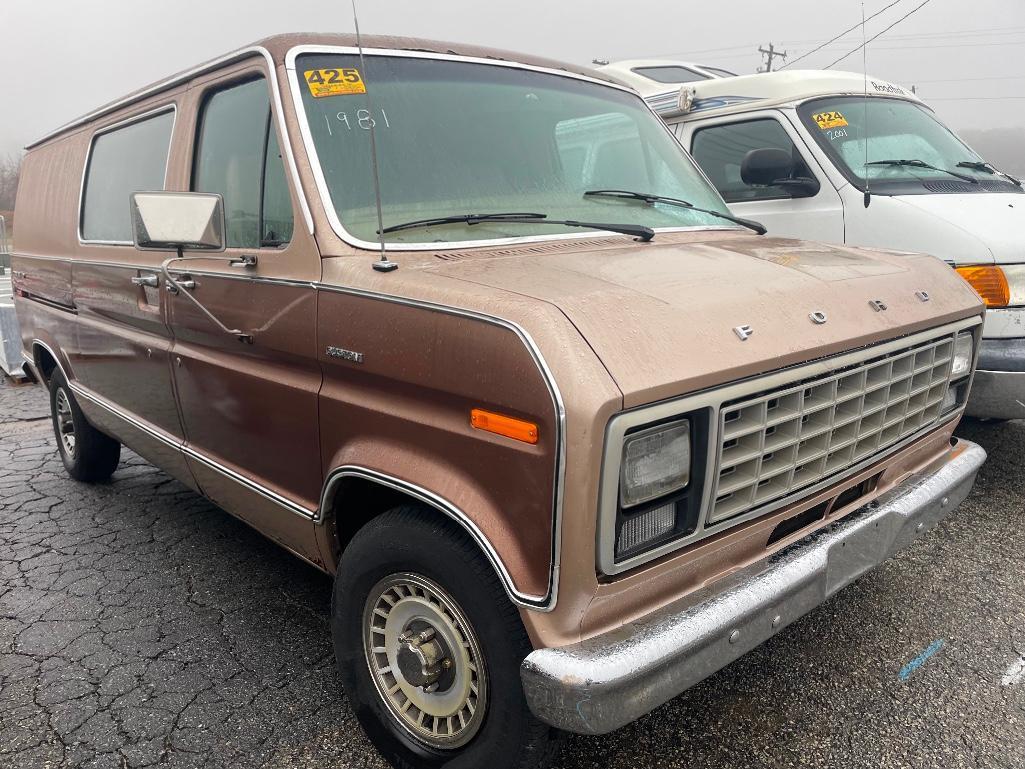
(446, 663)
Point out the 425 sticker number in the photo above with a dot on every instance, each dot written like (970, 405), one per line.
(334, 82)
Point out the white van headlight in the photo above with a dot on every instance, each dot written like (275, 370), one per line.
(964, 353)
(656, 462)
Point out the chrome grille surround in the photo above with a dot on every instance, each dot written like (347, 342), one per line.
(833, 417)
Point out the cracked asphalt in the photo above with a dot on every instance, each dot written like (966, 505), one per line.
(141, 626)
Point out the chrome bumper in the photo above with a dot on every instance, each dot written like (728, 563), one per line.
(998, 390)
(997, 395)
(608, 681)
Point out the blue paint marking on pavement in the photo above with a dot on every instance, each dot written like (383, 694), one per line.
(917, 662)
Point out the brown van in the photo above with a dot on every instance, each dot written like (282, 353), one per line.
(469, 331)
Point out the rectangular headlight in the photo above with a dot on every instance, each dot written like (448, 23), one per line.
(964, 353)
(656, 462)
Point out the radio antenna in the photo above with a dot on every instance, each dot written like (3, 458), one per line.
(384, 264)
(864, 70)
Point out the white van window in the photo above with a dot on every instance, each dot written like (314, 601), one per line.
(720, 151)
(896, 130)
(238, 157)
(129, 159)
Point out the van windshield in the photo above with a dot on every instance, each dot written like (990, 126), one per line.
(897, 130)
(456, 138)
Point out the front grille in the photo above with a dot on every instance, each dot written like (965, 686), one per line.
(784, 440)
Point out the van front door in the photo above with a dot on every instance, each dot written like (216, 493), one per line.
(720, 145)
(250, 407)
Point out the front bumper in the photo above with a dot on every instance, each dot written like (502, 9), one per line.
(606, 682)
(998, 390)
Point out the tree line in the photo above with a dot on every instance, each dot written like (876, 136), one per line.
(10, 170)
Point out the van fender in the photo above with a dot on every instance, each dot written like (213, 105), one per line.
(420, 492)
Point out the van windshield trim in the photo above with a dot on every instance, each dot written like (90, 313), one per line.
(294, 86)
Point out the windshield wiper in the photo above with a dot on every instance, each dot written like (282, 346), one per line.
(649, 198)
(922, 164)
(982, 165)
(639, 231)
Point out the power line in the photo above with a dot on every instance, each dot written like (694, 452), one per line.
(851, 29)
(830, 44)
(917, 8)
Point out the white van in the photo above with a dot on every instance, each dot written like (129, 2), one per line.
(789, 150)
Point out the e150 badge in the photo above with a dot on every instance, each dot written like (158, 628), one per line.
(334, 82)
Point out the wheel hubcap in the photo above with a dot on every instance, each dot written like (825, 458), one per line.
(65, 422)
(425, 660)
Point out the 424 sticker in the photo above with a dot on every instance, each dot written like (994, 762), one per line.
(334, 82)
(827, 120)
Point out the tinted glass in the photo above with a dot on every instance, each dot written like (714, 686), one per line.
(720, 151)
(670, 74)
(123, 161)
(277, 222)
(229, 159)
(456, 137)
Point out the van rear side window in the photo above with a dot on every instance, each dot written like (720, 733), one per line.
(131, 158)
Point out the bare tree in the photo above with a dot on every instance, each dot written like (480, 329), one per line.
(10, 170)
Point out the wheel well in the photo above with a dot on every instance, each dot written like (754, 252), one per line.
(356, 502)
(45, 362)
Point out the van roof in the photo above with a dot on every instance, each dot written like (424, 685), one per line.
(277, 46)
(770, 88)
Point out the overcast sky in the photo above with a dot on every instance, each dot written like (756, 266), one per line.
(61, 58)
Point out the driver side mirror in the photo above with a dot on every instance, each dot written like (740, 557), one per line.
(773, 167)
(163, 221)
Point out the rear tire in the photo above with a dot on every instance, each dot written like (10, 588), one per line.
(406, 572)
(88, 455)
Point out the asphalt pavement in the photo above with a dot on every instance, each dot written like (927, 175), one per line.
(141, 626)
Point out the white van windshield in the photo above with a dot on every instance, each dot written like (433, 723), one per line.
(456, 138)
(906, 143)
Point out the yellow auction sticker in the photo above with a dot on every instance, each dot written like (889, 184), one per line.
(334, 82)
(827, 120)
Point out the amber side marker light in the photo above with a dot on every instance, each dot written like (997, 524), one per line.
(517, 429)
(989, 282)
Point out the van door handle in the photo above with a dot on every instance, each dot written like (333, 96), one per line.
(184, 282)
(146, 280)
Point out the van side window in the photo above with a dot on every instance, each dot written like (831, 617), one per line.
(720, 150)
(129, 159)
(237, 156)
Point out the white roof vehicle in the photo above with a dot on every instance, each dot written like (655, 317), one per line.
(848, 158)
(659, 74)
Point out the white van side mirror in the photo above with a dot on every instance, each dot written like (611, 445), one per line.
(163, 221)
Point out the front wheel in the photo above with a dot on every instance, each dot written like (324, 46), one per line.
(429, 649)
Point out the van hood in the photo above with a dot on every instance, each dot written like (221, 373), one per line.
(662, 316)
(996, 219)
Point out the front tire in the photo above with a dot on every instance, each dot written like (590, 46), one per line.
(88, 455)
(429, 648)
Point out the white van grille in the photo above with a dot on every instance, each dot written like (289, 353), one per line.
(787, 439)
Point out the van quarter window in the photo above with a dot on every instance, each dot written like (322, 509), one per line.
(720, 151)
(129, 159)
(238, 157)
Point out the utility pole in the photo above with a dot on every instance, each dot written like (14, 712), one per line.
(770, 54)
